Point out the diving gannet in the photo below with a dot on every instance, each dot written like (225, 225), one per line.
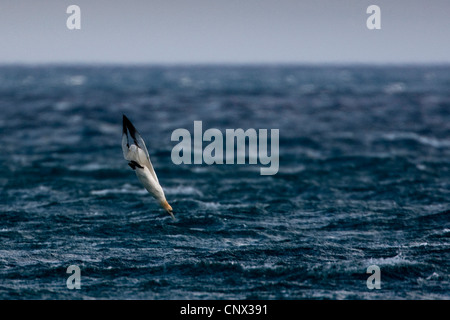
(138, 159)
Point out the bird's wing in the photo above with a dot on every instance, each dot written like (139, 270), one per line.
(138, 153)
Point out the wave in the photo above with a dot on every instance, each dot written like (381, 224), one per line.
(182, 190)
(125, 189)
(429, 141)
(396, 260)
(89, 167)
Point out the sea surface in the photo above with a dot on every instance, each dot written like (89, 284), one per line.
(364, 179)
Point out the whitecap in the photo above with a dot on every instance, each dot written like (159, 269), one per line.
(395, 87)
(88, 167)
(436, 143)
(75, 80)
(421, 167)
(126, 189)
(418, 244)
(109, 128)
(433, 276)
(390, 261)
(183, 190)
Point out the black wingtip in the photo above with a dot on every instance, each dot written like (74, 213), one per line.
(128, 125)
(131, 129)
(127, 122)
(124, 126)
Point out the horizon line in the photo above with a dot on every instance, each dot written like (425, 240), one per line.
(223, 63)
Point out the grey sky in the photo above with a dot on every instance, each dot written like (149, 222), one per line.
(224, 31)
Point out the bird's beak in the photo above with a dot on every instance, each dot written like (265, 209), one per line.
(171, 214)
(168, 208)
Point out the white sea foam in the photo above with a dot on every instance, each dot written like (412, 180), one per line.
(126, 189)
(183, 190)
(390, 261)
(395, 87)
(75, 80)
(436, 143)
(93, 166)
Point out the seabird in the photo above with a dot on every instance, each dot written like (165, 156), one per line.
(138, 159)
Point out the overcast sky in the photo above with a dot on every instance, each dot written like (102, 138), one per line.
(224, 31)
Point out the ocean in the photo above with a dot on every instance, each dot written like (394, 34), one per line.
(363, 180)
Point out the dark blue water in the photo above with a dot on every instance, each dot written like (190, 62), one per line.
(364, 180)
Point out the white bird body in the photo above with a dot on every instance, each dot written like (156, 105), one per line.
(139, 160)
